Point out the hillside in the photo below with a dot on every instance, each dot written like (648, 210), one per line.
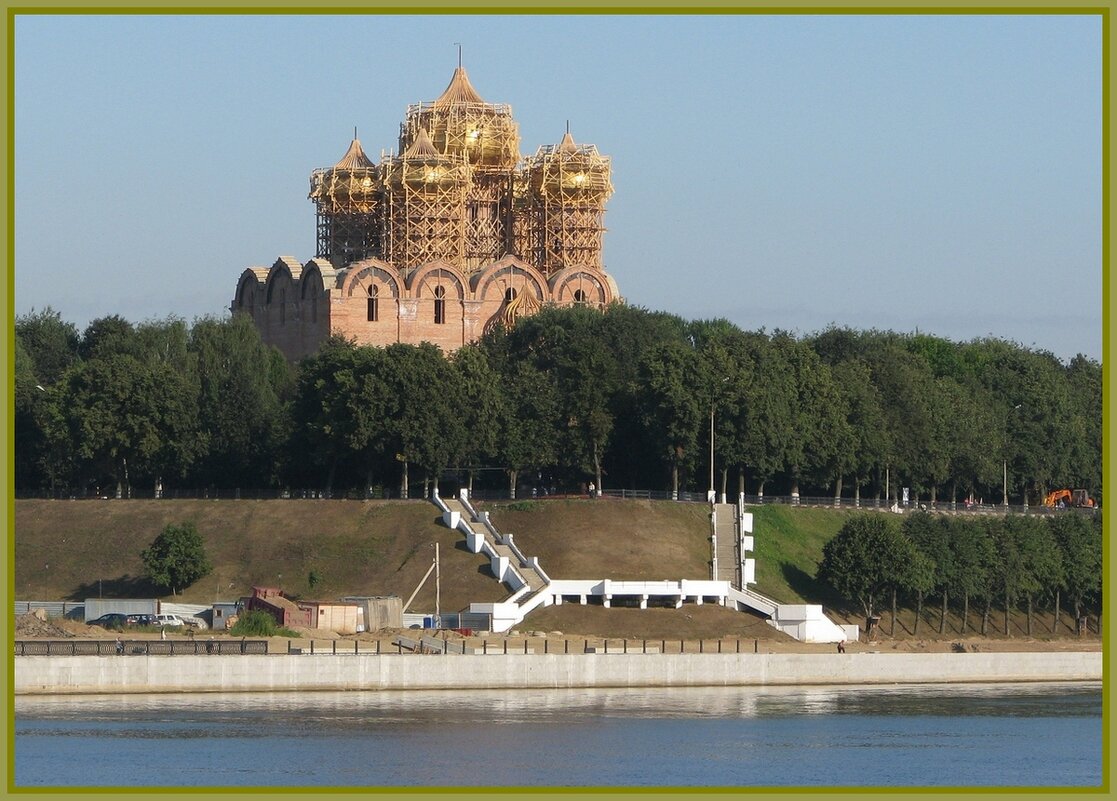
(78, 549)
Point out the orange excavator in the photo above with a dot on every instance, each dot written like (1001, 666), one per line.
(1078, 498)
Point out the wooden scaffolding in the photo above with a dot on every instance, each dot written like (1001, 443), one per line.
(567, 186)
(424, 199)
(461, 124)
(347, 200)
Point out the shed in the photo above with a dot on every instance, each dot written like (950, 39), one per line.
(381, 611)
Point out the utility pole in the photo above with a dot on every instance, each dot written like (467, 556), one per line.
(711, 448)
(437, 587)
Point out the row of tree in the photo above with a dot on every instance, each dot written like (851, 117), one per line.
(623, 398)
(1052, 562)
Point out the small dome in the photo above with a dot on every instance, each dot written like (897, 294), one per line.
(353, 180)
(460, 90)
(354, 158)
(421, 147)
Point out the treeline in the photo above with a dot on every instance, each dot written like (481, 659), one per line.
(623, 398)
(976, 563)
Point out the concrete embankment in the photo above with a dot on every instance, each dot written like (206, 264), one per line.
(149, 674)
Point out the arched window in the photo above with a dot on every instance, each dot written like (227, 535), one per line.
(373, 303)
(439, 305)
(509, 295)
(579, 296)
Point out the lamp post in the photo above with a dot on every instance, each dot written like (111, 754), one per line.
(713, 405)
(1004, 467)
(711, 493)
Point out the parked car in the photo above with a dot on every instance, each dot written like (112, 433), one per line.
(167, 620)
(141, 620)
(195, 623)
(113, 620)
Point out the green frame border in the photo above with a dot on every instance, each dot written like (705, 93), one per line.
(542, 7)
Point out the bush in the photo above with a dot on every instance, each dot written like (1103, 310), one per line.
(255, 624)
(177, 558)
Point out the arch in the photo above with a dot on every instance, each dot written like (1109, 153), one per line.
(250, 288)
(311, 284)
(285, 272)
(437, 273)
(491, 282)
(596, 290)
(359, 276)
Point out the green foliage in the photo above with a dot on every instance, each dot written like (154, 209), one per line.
(621, 397)
(239, 403)
(1079, 540)
(255, 623)
(176, 558)
(51, 344)
(868, 555)
(313, 579)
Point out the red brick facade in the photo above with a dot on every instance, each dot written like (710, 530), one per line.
(456, 198)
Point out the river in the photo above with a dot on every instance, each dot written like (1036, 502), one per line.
(1046, 735)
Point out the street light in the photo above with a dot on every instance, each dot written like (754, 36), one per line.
(713, 405)
(1004, 467)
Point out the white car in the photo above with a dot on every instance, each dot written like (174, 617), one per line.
(168, 620)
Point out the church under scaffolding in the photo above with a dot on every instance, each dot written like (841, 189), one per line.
(454, 235)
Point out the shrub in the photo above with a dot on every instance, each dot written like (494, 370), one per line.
(255, 624)
(177, 557)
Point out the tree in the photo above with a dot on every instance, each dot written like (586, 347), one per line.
(107, 336)
(51, 344)
(930, 536)
(128, 418)
(867, 556)
(177, 557)
(1079, 540)
(668, 405)
(1043, 563)
(973, 555)
(239, 404)
(483, 408)
(427, 428)
(528, 424)
(324, 427)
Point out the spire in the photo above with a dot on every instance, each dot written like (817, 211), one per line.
(567, 144)
(354, 158)
(460, 90)
(422, 146)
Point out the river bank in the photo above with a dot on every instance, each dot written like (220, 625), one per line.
(37, 675)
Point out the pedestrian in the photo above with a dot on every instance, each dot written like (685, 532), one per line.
(119, 647)
(163, 633)
(593, 489)
(841, 646)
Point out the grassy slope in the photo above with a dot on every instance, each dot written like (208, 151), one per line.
(383, 548)
(374, 548)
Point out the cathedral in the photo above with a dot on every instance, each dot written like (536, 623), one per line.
(455, 235)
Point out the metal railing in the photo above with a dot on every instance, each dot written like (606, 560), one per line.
(138, 647)
(683, 496)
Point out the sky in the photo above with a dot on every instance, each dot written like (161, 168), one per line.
(939, 174)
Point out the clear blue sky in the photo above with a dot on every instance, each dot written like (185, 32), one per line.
(939, 173)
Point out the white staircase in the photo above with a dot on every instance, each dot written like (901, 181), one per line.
(731, 538)
(730, 574)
